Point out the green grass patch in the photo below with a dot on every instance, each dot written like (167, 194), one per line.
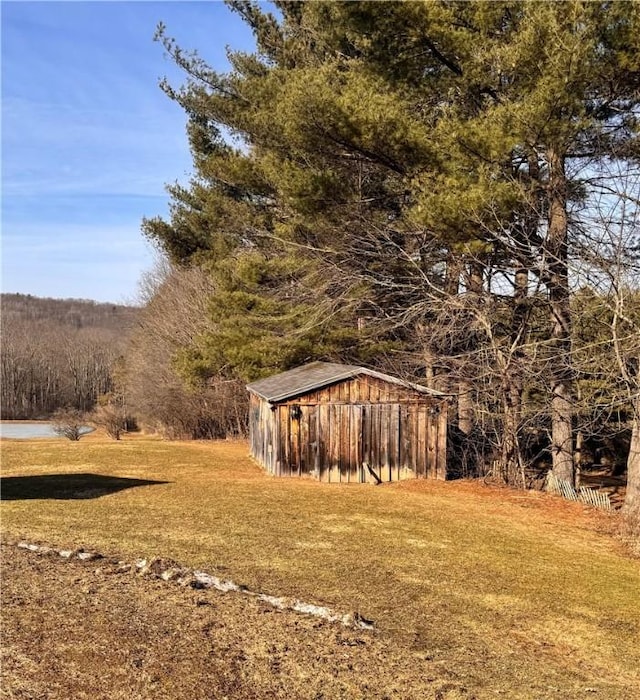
(521, 594)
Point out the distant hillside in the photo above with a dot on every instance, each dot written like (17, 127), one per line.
(58, 353)
(77, 313)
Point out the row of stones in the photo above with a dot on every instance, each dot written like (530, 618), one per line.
(169, 570)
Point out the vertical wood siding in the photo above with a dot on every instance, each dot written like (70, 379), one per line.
(358, 430)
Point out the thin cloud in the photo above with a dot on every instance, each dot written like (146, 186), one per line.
(89, 141)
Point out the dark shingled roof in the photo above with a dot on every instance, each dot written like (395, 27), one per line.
(316, 375)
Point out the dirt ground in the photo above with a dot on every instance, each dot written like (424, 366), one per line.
(74, 629)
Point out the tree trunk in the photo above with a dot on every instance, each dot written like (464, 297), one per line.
(510, 452)
(512, 384)
(466, 403)
(631, 506)
(442, 377)
(558, 285)
(465, 407)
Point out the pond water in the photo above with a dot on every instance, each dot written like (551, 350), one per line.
(28, 431)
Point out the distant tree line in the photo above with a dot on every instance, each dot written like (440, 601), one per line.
(58, 353)
(77, 361)
(74, 313)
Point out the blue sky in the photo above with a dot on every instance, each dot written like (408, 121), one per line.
(89, 140)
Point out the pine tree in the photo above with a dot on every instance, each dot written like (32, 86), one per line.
(430, 161)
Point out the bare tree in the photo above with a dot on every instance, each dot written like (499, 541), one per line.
(610, 269)
(176, 313)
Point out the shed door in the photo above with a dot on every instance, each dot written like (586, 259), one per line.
(393, 441)
(337, 447)
(379, 448)
(298, 438)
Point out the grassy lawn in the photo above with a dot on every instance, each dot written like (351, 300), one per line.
(521, 594)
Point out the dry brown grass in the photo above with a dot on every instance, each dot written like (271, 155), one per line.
(90, 633)
(518, 595)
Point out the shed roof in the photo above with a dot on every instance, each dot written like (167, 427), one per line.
(316, 375)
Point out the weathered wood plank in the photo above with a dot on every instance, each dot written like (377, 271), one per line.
(341, 420)
(334, 443)
(421, 447)
(442, 441)
(431, 440)
(323, 442)
(395, 442)
(412, 428)
(356, 439)
(285, 441)
(406, 464)
(374, 445)
(313, 441)
(382, 430)
(294, 439)
(266, 438)
(347, 452)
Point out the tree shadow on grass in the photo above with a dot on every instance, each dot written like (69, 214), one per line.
(66, 486)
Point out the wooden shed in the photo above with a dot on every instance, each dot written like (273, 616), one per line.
(347, 423)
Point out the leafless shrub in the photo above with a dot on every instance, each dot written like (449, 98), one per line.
(111, 418)
(69, 423)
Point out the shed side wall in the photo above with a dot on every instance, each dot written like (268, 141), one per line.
(262, 433)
